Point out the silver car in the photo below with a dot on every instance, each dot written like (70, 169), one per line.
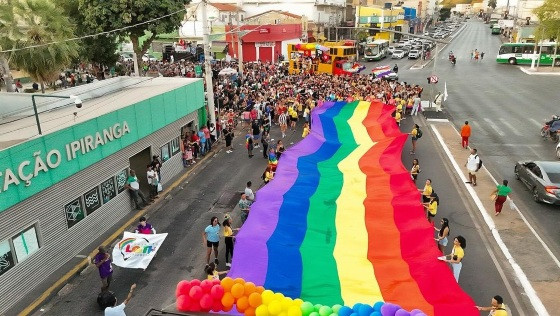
(542, 178)
(398, 54)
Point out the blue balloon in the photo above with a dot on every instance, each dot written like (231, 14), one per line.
(377, 306)
(376, 313)
(354, 314)
(356, 307)
(365, 310)
(344, 311)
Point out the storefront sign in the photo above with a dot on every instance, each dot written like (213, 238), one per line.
(264, 44)
(35, 165)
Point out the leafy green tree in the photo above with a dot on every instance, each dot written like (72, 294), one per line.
(7, 30)
(492, 3)
(103, 15)
(38, 22)
(549, 22)
(101, 50)
(444, 14)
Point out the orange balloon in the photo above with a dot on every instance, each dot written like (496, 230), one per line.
(239, 280)
(242, 303)
(249, 288)
(237, 290)
(255, 300)
(228, 299)
(250, 311)
(260, 289)
(227, 283)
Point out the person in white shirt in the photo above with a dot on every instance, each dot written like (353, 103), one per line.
(152, 181)
(118, 310)
(473, 163)
(249, 192)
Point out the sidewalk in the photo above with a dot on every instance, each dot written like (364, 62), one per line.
(537, 270)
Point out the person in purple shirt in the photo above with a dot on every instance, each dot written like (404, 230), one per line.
(144, 227)
(102, 261)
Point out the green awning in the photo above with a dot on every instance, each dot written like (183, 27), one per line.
(218, 47)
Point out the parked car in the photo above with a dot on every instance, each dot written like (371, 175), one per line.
(147, 57)
(126, 56)
(398, 54)
(558, 150)
(542, 178)
(391, 49)
(414, 54)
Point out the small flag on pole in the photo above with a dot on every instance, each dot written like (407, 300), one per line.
(445, 95)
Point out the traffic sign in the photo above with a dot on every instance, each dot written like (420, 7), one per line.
(433, 79)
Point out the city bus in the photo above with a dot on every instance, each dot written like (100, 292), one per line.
(337, 60)
(376, 50)
(523, 53)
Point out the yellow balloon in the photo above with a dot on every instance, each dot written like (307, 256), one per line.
(298, 302)
(274, 308)
(283, 314)
(261, 311)
(278, 297)
(267, 296)
(293, 311)
(286, 303)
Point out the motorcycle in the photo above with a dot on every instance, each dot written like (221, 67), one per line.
(546, 133)
(453, 60)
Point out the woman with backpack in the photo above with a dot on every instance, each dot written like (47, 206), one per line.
(415, 133)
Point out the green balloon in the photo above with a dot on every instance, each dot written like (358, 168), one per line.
(333, 314)
(325, 311)
(336, 308)
(306, 308)
(314, 314)
(318, 307)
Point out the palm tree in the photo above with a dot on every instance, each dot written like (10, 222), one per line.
(37, 22)
(6, 34)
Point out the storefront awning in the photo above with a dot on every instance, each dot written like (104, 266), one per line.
(218, 47)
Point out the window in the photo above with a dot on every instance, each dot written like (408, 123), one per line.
(528, 49)
(517, 49)
(6, 257)
(165, 152)
(505, 50)
(25, 244)
(547, 50)
(108, 190)
(74, 212)
(175, 147)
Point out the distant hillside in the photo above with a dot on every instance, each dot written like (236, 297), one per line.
(452, 3)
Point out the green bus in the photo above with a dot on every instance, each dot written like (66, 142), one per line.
(523, 53)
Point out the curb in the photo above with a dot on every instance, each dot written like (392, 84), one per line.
(529, 72)
(82, 267)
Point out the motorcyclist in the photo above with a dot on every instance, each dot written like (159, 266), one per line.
(451, 55)
(554, 118)
(396, 69)
(553, 125)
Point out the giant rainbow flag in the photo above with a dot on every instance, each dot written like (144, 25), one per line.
(342, 222)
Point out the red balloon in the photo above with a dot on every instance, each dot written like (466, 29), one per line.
(217, 292)
(195, 306)
(195, 282)
(183, 288)
(183, 303)
(206, 286)
(217, 306)
(206, 302)
(196, 293)
(214, 281)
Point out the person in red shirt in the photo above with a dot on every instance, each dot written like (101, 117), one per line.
(195, 143)
(465, 134)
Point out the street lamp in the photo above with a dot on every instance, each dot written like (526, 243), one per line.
(77, 102)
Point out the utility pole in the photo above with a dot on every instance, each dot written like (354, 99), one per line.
(239, 43)
(207, 66)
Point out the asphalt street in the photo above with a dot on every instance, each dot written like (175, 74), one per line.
(506, 109)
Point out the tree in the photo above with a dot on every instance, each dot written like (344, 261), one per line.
(492, 3)
(101, 51)
(7, 29)
(549, 22)
(444, 14)
(103, 15)
(37, 22)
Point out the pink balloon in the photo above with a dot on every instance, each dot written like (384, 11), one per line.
(217, 292)
(196, 293)
(206, 302)
(214, 281)
(217, 306)
(183, 303)
(195, 282)
(183, 288)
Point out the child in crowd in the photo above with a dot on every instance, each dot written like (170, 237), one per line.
(212, 273)
(188, 156)
(144, 227)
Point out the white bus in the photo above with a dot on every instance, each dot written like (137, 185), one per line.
(523, 53)
(376, 50)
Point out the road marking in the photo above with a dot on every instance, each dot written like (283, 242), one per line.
(523, 280)
(492, 125)
(31, 307)
(537, 123)
(515, 130)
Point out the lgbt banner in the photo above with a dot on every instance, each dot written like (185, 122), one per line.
(342, 222)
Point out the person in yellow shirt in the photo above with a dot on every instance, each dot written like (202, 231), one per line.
(431, 207)
(498, 308)
(268, 174)
(228, 235)
(457, 255)
(427, 191)
(398, 118)
(212, 273)
(305, 130)
(414, 134)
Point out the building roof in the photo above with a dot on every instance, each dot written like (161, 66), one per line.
(98, 98)
(226, 7)
(295, 16)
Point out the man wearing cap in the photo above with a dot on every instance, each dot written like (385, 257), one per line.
(134, 188)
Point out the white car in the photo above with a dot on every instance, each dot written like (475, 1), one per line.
(558, 150)
(398, 54)
(414, 54)
(391, 49)
(147, 57)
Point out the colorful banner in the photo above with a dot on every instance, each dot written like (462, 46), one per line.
(342, 222)
(137, 250)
